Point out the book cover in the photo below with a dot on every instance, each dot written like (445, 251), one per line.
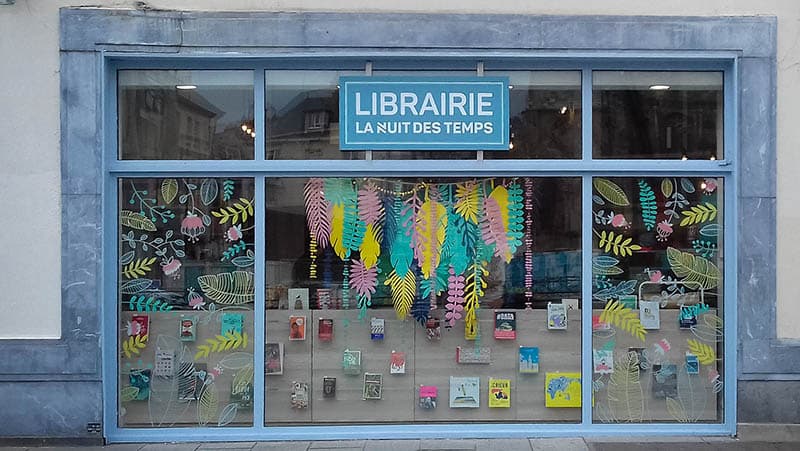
(562, 390)
(650, 314)
(472, 354)
(273, 359)
(665, 381)
(139, 325)
(528, 359)
(191, 378)
(373, 385)
(692, 363)
(499, 393)
(433, 329)
(164, 364)
(570, 303)
(232, 323)
(241, 392)
(140, 379)
(687, 318)
(398, 363)
(603, 360)
(298, 298)
(599, 325)
(505, 325)
(641, 356)
(377, 328)
(351, 362)
(188, 329)
(629, 301)
(328, 387)
(465, 392)
(556, 316)
(428, 396)
(297, 327)
(299, 395)
(325, 329)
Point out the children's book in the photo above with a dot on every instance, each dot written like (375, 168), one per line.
(397, 364)
(665, 381)
(433, 329)
(465, 392)
(629, 301)
(299, 395)
(687, 318)
(325, 329)
(562, 390)
(377, 328)
(692, 363)
(191, 378)
(472, 354)
(273, 359)
(650, 314)
(556, 316)
(505, 325)
(232, 323)
(570, 303)
(164, 364)
(528, 359)
(499, 393)
(603, 361)
(188, 328)
(139, 326)
(373, 385)
(328, 387)
(641, 356)
(351, 362)
(242, 393)
(428, 396)
(298, 298)
(140, 379)
(297, 327)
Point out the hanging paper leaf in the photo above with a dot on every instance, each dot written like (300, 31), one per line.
(430, 226)
(440, 281)
(473, 290)
(409, 214)
(610, 241)
(687, 185)
(228, 288)
(136, 221)
(705, 353)
(318, 211)
(209, 190)
(468, 201)
(514, 229)
(169, 189)
(625, 394)
(666, 187)
(403, 290)
(370, 207)
(337, 231)
(370, 248)
(391, 208)
(624, 318)
(611, 192)
(363, 278)
(711, 230)
(228, 414)
(207, 405)
(353, 228)
(338, 190)
(493, 230)
(456, 242)
(647, 200)
(421, 310)
(699, 213)
(693, 269)
(455, 297)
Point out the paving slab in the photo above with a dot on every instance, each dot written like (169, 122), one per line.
(768, 432)
(557, 444)
(392, 445)
(452, 445)
(503, 444)
(227, 445)
(170, 447)
(281, 446)
(338, 445)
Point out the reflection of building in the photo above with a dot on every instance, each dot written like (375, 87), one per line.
(307, 127)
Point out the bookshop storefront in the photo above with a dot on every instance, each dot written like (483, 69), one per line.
(313, 232)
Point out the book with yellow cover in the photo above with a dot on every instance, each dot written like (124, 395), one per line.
(499, 392)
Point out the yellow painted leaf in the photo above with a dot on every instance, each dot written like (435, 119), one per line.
(667, 187)
(705, 353)
(138, 268)
(169, 189)
(228, 288)
(611, 192)
(676, 410)
(207, 405)
(136, 221)
(693, 268)
(624, 318)
(128, 394)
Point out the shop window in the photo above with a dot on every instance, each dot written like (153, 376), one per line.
(215, 105)
(185, 299)
(657, 115)
(657, 266)
(433, 261)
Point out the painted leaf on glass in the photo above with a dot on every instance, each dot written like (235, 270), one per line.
(624, 318)
(209, 190)
(228, 288)
(611, 241)
(136, 221)
(611, 192)
(705, 353)
(699, 213)
(207, 405)
(693, 268)
(667, 187)
(138, 268)
(169, 189)
(647, 200)
(625, 394)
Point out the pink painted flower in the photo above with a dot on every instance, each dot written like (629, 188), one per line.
(234, 233)
(171, 266)
(709, 186)
(664, 230)
(192, 226)
(619, 221)
(656, 276)
(196, 301)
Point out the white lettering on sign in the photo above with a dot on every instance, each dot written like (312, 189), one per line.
(387, 103)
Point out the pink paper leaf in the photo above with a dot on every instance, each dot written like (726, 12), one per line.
(455, 297)
(362, 279)
(318, 211)
(370, 206)
(492, 228)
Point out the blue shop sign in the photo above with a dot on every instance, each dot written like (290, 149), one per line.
(423, 113)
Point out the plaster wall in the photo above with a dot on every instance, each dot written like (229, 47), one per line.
(30, 185)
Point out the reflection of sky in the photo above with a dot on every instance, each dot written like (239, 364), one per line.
(236, 104)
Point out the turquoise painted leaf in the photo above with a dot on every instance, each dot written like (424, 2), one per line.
(647, 200)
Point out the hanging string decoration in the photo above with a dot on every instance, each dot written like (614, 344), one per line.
(528, 240)
(318, 218)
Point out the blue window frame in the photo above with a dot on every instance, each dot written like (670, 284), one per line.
(259, 168)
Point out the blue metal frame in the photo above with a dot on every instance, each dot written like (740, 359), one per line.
(260, 169)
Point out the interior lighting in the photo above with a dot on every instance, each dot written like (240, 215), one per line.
(658, 87)
(684, 157)
(564, 110)
(713, 157)
(511, 145)
(244, 127)
(185, 87)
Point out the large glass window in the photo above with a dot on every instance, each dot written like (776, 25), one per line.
(186, 293)
(457, 274)
(186, 115)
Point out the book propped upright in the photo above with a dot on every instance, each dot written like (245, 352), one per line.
(499, 393)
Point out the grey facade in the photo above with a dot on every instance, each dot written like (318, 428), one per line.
(54, 388)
